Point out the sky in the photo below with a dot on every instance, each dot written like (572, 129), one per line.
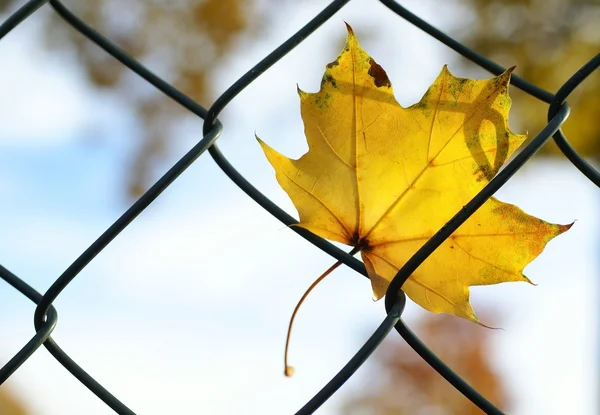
(186, 311)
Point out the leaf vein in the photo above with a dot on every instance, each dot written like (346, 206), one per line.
(401, 196)
(484, 261)
(413, 279)
(330, 147)
(348, 234)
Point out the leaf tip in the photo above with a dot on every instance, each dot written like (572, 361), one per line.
(506, 75)
(445, 73)
(478, 322)
(349, 29)
(564, 228)
(261, 142)
(300, 92)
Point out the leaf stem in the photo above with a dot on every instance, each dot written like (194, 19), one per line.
(289, 370)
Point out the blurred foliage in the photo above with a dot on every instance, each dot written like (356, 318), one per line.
(548, 40)
(404, 384)
(183, 41)
(9, 405)
(186, 41)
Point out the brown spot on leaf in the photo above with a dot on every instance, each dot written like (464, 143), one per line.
(458, 87)
(484, 172)
(332, 64)
(330, 79)
(379, 76)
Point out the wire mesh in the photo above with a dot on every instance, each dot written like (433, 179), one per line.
(46, 317)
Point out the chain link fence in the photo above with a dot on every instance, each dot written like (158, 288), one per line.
(46, 317)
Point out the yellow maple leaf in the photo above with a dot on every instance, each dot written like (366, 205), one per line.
(384, 179)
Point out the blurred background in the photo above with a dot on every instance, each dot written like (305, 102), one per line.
(186, 311)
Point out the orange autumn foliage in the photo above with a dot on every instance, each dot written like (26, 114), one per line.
(405, 384)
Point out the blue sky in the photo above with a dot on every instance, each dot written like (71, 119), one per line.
(186, 311)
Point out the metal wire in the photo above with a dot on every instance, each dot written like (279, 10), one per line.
(46, 317)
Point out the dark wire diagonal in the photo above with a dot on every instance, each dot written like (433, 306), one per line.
(392, 318)
(42, 332)
(559, 138)
(20, 15)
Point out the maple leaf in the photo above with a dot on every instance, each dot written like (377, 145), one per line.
(384, 179)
